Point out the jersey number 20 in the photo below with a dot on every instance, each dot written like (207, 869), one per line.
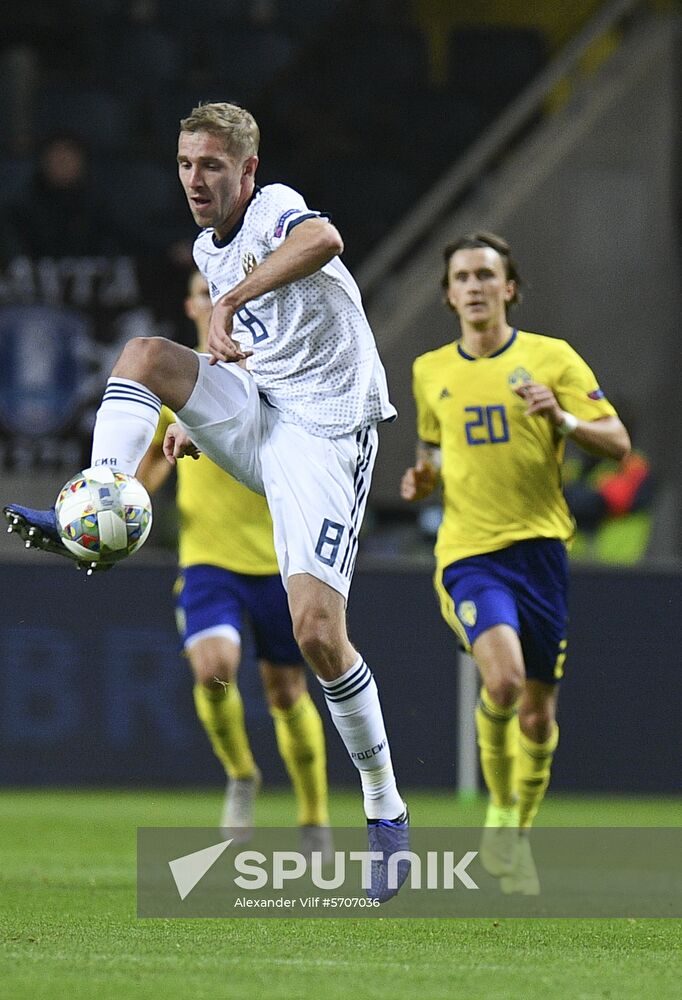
(487, 424)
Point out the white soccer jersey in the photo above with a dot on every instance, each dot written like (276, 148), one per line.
(314, 358)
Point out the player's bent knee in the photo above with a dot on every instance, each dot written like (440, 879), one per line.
(152, 361)
(321, 650)
(138, 356)
(283, 698)
(537, 725)
(212, 672)
(210, 683)
(283, 687)
(505, 691)
(315, 644)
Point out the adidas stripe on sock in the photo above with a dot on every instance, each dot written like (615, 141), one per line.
(125, 425)
(353, 702)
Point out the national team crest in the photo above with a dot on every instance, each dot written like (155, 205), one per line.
(249, 262)
(467, 613)
(519, 377)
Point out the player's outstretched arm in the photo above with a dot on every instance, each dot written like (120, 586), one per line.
(310, 246)
(605, 436)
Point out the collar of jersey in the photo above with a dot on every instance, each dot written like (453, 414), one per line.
(235, 229)
(495, 354)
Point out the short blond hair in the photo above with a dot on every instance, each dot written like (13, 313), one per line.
(234, 125)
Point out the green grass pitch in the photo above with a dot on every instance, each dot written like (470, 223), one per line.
(68, 927)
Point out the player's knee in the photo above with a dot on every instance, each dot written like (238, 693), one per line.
(210, 682)
(285, 696)
(317, 642)
(212, 672)
(144, 359)
(536, 723)
(506, 690)
(283, 685)
(317, 647)
(137, 357)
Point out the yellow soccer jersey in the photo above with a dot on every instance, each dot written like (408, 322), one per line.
(500, 469)
(222, 523)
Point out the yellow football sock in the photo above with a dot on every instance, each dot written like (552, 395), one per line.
(300, 738)
(497, 728)
(221, 712)
(532, 774)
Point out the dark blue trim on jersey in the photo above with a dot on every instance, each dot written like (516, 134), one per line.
(360, 490)
(495, 354)
(235, 229)
(304, 218)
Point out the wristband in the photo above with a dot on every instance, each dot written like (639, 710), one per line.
(568, 424)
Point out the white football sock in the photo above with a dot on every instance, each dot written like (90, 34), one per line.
(125, 424)
(353, 702)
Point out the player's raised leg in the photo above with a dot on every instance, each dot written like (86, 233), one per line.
(150, 370)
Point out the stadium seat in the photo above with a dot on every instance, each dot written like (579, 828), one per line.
(98, 117)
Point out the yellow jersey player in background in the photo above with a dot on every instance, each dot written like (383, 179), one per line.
(493, 411)
(228, 570)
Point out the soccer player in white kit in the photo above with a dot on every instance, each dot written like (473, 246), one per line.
(287, 400)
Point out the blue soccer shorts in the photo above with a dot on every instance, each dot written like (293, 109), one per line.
(525, 586)
(214, 601)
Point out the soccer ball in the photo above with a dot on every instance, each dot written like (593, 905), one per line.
(103, 515)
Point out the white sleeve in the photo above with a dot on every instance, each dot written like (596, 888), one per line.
(282, 209)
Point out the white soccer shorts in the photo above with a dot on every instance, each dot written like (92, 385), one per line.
(316, 487)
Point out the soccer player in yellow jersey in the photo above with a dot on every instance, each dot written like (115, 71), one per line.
(228, 570)
(493, 411)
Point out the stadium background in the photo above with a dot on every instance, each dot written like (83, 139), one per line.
(409, 121)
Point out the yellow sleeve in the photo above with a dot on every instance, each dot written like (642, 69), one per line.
(578, 390)
(428, 425)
